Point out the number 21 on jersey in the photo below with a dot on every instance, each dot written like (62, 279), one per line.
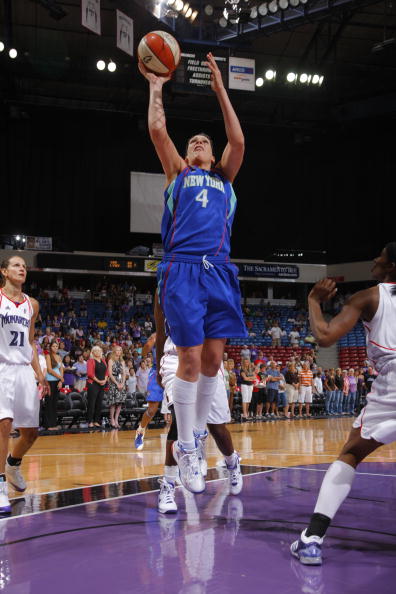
(203, 198)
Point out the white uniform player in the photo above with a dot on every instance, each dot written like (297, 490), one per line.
(376, 424)
(219, 411)
(377, 420)
(19, 401)
(17, 381)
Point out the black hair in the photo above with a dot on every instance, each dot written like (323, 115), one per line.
(391, 253)
(199, 134)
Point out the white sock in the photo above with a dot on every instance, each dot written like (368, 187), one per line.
(232, 460)
(206, 390)
(184, 399)
(335, 488)
(170, 474)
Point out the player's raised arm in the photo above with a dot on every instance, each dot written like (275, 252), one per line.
(232, 157)
(327, 333)
(171, 161)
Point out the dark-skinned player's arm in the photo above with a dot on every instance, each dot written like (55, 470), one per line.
(160, 334)
(327, 333)
(148, 346)
(171, 161)
(232, 157)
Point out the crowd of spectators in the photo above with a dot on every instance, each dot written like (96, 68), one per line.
(94, 344)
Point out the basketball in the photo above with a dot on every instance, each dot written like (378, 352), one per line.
(159, 52)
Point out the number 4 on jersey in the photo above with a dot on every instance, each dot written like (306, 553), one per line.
(203, 198)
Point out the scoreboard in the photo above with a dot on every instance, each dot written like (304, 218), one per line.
(193, 76)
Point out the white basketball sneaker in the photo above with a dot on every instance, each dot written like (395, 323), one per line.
(5, 505)
(189, 468)
(15, 478)
(166, 497)
(201, 447)
(235, 476)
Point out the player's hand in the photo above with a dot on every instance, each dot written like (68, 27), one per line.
(44, 386)
(154, 79)
(323, 291)
(216, 82)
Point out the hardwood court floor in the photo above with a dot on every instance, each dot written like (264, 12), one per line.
(74, 460)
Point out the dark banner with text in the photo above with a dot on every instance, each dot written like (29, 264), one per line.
(268, 270)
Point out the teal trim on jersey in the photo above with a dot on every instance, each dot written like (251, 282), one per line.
(170, 201)
(233, 201)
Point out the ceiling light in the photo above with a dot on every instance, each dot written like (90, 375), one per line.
(179, 5)
(321, 80)
(171, 2)
(273, 6)
(208, 9)
(223, 22)
(100, 65)
(294, 3)
(303, 78)
(259, 82)
(291, 77)
(254, 13)
(315, 79)
(13, 53)
(185, 8)
(1, 46)
(270, 74)
(194, 16)
(263, 9)
(111, 66)
(283, 4)
(188, 13)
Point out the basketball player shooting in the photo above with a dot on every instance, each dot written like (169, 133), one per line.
(376, 424)
(197, 286)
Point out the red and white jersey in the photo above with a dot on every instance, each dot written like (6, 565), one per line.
(381, 331)
(15, 320)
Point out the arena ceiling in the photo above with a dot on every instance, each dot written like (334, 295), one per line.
(350, 42)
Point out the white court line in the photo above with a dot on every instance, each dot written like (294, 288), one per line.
(300, 454)
(86, 454)
(44, 511)
(316, 470)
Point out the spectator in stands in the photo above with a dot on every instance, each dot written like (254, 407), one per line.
(292, 385)
(294, 337)
(273, 379)
(81, 373)
(352, 391)
(318, 385)
(97, 379)
(258, 396)
(69, 371)
(135, 330)
(330, 389)
(245, 352)
(248, 378)
(361, 389)
(45, 344)
(117, 391)
(55, 379)
(305, 378)
(276, 334)
(369, 377)
(142, 377)
(62, 352)
(281, 399)
(260, 359)
(345, 392)
(131, 381)
(339, 383)
(232, 383)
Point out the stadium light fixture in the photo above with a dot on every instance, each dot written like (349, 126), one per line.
(291, 77)
(13, 53)
(254, 12)
(185, 8)
(294, 3)
(259, 82)
(273, 6)
(223, 22)
(111, 66)
(303, 78)
(100, 64)
(283, 4)
(2, 46)
(189, 13)
(208, 10)
(194, 16)
(270, 74)
(263, 9)
(179, 5)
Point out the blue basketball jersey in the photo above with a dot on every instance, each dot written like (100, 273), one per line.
(199, 211)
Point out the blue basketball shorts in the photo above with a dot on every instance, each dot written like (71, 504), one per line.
(200, 299)
(154, 391)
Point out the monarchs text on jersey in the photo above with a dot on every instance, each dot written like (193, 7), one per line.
(15, 320)
(199, 211)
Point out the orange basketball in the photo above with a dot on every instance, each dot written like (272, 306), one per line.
(159, 52)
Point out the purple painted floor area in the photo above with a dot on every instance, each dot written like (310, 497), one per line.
(216, 543)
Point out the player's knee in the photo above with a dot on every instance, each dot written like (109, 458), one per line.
(189, 366)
